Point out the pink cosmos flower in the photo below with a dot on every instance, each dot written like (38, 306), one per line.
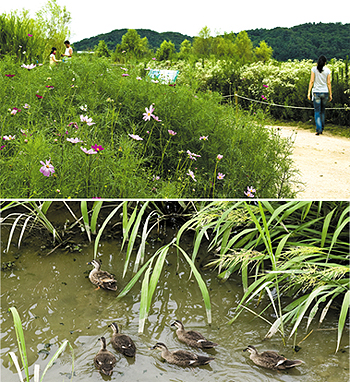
(88, 152)
(49, 87)
(15, 110)
(155, 81)
(87, 120)
(191, 174)
(250, 192)
(2, 147)
(204, 138)
(97, 148)
(265, 86)
(171, 132)
(8, 137)
(139, 78)
(10, 75)
(47, 169)
(136, 137)
(31, 66)
(153, 58)
(38, 96)
(30, 35)
(125, 75)
(73, 124)
(26, 106)
(192, 156)
(147, 116)
(219, 157)
(74, 140)
(154, 177)
(155, 117)
(221, 176)
(263, 97)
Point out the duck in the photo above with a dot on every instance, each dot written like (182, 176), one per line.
(122, 342)
(102, 279)
(271, 360)
(104, 360)
(181, 357)
(191, 337)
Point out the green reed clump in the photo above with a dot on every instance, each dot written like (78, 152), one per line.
(298, 248)
(172, 153)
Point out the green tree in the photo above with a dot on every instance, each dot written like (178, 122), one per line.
(185, 48)
(133, 44)
(243, 47)
(263, 52)
(102, 50)
(202, 42)
(166, 51)
(53, 21)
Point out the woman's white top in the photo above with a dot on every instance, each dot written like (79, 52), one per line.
(52, 58)
(320, 83)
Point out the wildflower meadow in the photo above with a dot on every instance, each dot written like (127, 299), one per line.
(90, 128)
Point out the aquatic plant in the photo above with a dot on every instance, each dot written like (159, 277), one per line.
(23, 352)
(298, 249)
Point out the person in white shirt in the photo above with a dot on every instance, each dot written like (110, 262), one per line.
(69, 51)
(53, 60)
(320, 83)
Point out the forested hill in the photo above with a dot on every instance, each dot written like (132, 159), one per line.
(305, 41)
(115, 37)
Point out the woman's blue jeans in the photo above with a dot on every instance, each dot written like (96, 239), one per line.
(320, 100)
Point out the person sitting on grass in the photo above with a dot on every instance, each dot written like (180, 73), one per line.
(69, 51)
(53, 60)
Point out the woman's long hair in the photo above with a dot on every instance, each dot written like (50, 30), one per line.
(321, 63)
(52, 50)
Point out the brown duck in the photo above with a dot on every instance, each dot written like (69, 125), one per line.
(104, 360)
(102, 279)
(271, 359)
(121, 342)
(181, 357)
(191, 337)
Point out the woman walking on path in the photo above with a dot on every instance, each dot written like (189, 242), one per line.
(322, 91)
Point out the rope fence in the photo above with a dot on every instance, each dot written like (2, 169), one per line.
(292, 107)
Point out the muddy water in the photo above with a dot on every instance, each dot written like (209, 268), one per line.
(56, 301)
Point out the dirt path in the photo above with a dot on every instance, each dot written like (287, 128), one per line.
(323, 161)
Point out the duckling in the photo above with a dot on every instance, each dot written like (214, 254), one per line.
(271, 359)
(191, 337)
(100, 278)
(104, 360)
(181, 357)
(121, 342)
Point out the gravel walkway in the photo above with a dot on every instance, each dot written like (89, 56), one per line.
(323, 161)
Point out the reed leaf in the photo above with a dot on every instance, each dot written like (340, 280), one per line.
(15, 362)
(56, 355)
(201, 283)
(85, 215)
(141, 251)
(95, 212)
(144, 299)
(342, 318)
(20, 340)
(109, 217)
(133, 237)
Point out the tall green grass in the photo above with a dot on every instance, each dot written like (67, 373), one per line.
(158, 166)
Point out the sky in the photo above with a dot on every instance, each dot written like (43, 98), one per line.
(90, 18)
